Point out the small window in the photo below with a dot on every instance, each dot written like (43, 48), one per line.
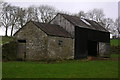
(60, 42)
(22, 41)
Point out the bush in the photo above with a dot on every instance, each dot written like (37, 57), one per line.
(115, 49)
(9, 51)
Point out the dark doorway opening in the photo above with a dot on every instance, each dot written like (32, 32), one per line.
(92, 48)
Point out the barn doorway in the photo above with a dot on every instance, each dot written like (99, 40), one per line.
(21, 49)
(92, 48)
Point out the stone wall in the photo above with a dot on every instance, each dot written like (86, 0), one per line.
(40, 46)
(36, 41)
(60, 48)
(104, 49)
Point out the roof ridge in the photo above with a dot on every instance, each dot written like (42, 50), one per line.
(68, 15)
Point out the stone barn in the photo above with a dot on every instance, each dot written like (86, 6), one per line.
(64, 37)
(40, 41)
(91, 39)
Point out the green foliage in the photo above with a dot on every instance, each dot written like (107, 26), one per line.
(115, 42)
(66, 69)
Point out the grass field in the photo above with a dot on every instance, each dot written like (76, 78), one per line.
(5, 39)
(115, 42)
(64, 69)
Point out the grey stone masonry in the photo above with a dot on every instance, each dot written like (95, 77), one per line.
(40, 46)
(104, 49)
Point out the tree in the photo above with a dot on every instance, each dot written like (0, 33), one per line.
(117, 24)
(21, 17)
(14, 18)
(1, 12)
(6, 16)
(46, 13)
(11, 17)
(32, 13)
(118, 18)
(110, 25)
(96, 15)
(81, 14)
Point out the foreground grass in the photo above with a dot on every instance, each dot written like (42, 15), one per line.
(66, 69)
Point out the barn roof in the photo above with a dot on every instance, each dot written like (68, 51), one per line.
(53, 30)
(84, 23)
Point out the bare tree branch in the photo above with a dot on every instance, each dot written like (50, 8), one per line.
(47, 13)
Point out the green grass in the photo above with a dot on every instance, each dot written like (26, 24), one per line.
(65, 69)
(115, 42)
(6, 39)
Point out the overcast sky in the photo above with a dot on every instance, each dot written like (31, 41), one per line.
(110, 7)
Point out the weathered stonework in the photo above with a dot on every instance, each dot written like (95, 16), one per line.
(66, 41)
(36, 42)
(104, 49)
(40, 46)
(60, 48)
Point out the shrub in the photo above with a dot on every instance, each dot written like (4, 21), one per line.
(9, 51)
(115, 49)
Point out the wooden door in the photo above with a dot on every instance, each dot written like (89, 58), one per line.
(21, 50)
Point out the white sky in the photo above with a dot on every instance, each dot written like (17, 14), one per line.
(110, 7)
